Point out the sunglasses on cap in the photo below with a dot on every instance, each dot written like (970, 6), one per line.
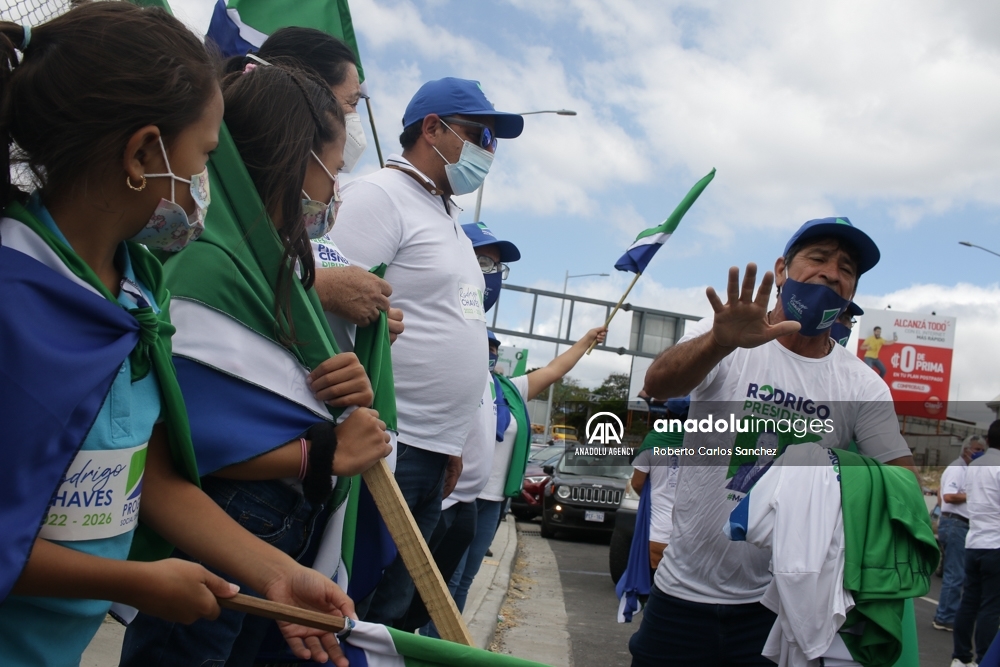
(487, 140)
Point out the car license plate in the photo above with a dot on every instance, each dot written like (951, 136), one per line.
(593, 516)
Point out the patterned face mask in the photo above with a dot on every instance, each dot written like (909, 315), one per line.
(171, 228)
(318, 217)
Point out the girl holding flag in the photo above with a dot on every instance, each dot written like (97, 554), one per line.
(255, 358)
(115, 110)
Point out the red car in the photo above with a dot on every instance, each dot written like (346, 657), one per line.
(529, 504)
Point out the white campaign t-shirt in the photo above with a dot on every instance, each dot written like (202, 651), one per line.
(953, 481)
(701, 564)
(327, 255)
(390, 217)
(477, 455)
(982, 493)
(504, 450)
(662, 471)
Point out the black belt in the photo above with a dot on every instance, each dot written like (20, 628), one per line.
(952, 515)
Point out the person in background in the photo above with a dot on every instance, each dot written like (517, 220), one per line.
(507, 439)
(661, 472)
(350, 295)
(952, 529)
(403, 216)
(841, 329)
(979, 612)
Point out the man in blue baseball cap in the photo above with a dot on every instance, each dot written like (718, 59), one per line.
(403, 216)
(752, 362)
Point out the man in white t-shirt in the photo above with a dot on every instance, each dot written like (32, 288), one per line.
(776, 378)
(403, 216)
(952, 529)
(979, 612)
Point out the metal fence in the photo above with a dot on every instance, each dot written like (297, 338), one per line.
(32, 12)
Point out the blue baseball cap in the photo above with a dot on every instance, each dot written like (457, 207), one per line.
(451, 96)
(493, 338)
(854, 309)
(679, 406)
(839, 228)
(481, 235)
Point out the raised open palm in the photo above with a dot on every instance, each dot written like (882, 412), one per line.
(742, 320)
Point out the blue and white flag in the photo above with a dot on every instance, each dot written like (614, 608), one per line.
(231, 34)
(648, 242)
(635, 580)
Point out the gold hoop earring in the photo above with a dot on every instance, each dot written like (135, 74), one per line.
(128, 182)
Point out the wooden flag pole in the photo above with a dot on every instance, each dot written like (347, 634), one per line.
(282, 612)
(416, 555)
(619, 305)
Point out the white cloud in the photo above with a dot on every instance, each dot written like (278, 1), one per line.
(802, 104)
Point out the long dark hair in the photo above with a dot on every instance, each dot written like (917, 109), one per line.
(313, 50)
(278, 116)
(86, 82)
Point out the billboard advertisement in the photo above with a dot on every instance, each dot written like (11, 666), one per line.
(912, 353)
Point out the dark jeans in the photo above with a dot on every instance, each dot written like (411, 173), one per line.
(420, 476)
(980, 610)
(877, 365)
(682, 633)
(275, 513)
(951, 534)
(455, 530)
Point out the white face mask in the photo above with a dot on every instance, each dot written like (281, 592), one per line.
(317, 216)
(470, 171)
(356, 142)
(171, 228)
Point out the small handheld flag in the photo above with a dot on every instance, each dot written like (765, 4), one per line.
(648, 242)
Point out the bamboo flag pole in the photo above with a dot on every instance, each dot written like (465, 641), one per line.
(619, 305)
(416, 555)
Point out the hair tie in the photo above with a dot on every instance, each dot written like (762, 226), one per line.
(27, 37)
(249, 68)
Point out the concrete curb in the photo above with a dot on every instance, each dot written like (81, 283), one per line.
(489, 588)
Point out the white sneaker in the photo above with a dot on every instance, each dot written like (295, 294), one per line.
(958, 663)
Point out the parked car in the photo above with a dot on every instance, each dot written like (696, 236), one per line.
(528, 505)
(561, 432)
(545, 452)
(621, 537)
(585, 492)
(538, 439)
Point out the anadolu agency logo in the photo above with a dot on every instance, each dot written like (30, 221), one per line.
(604, 431)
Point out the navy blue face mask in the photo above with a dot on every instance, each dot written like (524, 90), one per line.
(815, 307)
(493, 360)
(840, 333)
(977, 455)
(492, 293)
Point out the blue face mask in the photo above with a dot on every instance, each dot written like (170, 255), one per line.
(815, 307)
(470, 171)
(492, 292)
(493, 361)
(840, 333)
(977, 455)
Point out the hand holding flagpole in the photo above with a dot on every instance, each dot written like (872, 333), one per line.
(648, 242)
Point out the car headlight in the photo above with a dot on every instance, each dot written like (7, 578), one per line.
(563, 492)
(541, 479)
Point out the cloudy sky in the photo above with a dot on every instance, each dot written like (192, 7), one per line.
(883, 112)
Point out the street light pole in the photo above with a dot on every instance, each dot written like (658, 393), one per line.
(973, 245)
(479, 192)
(562, 305)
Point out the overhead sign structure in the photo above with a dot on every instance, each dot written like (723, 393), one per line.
(912, 353)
